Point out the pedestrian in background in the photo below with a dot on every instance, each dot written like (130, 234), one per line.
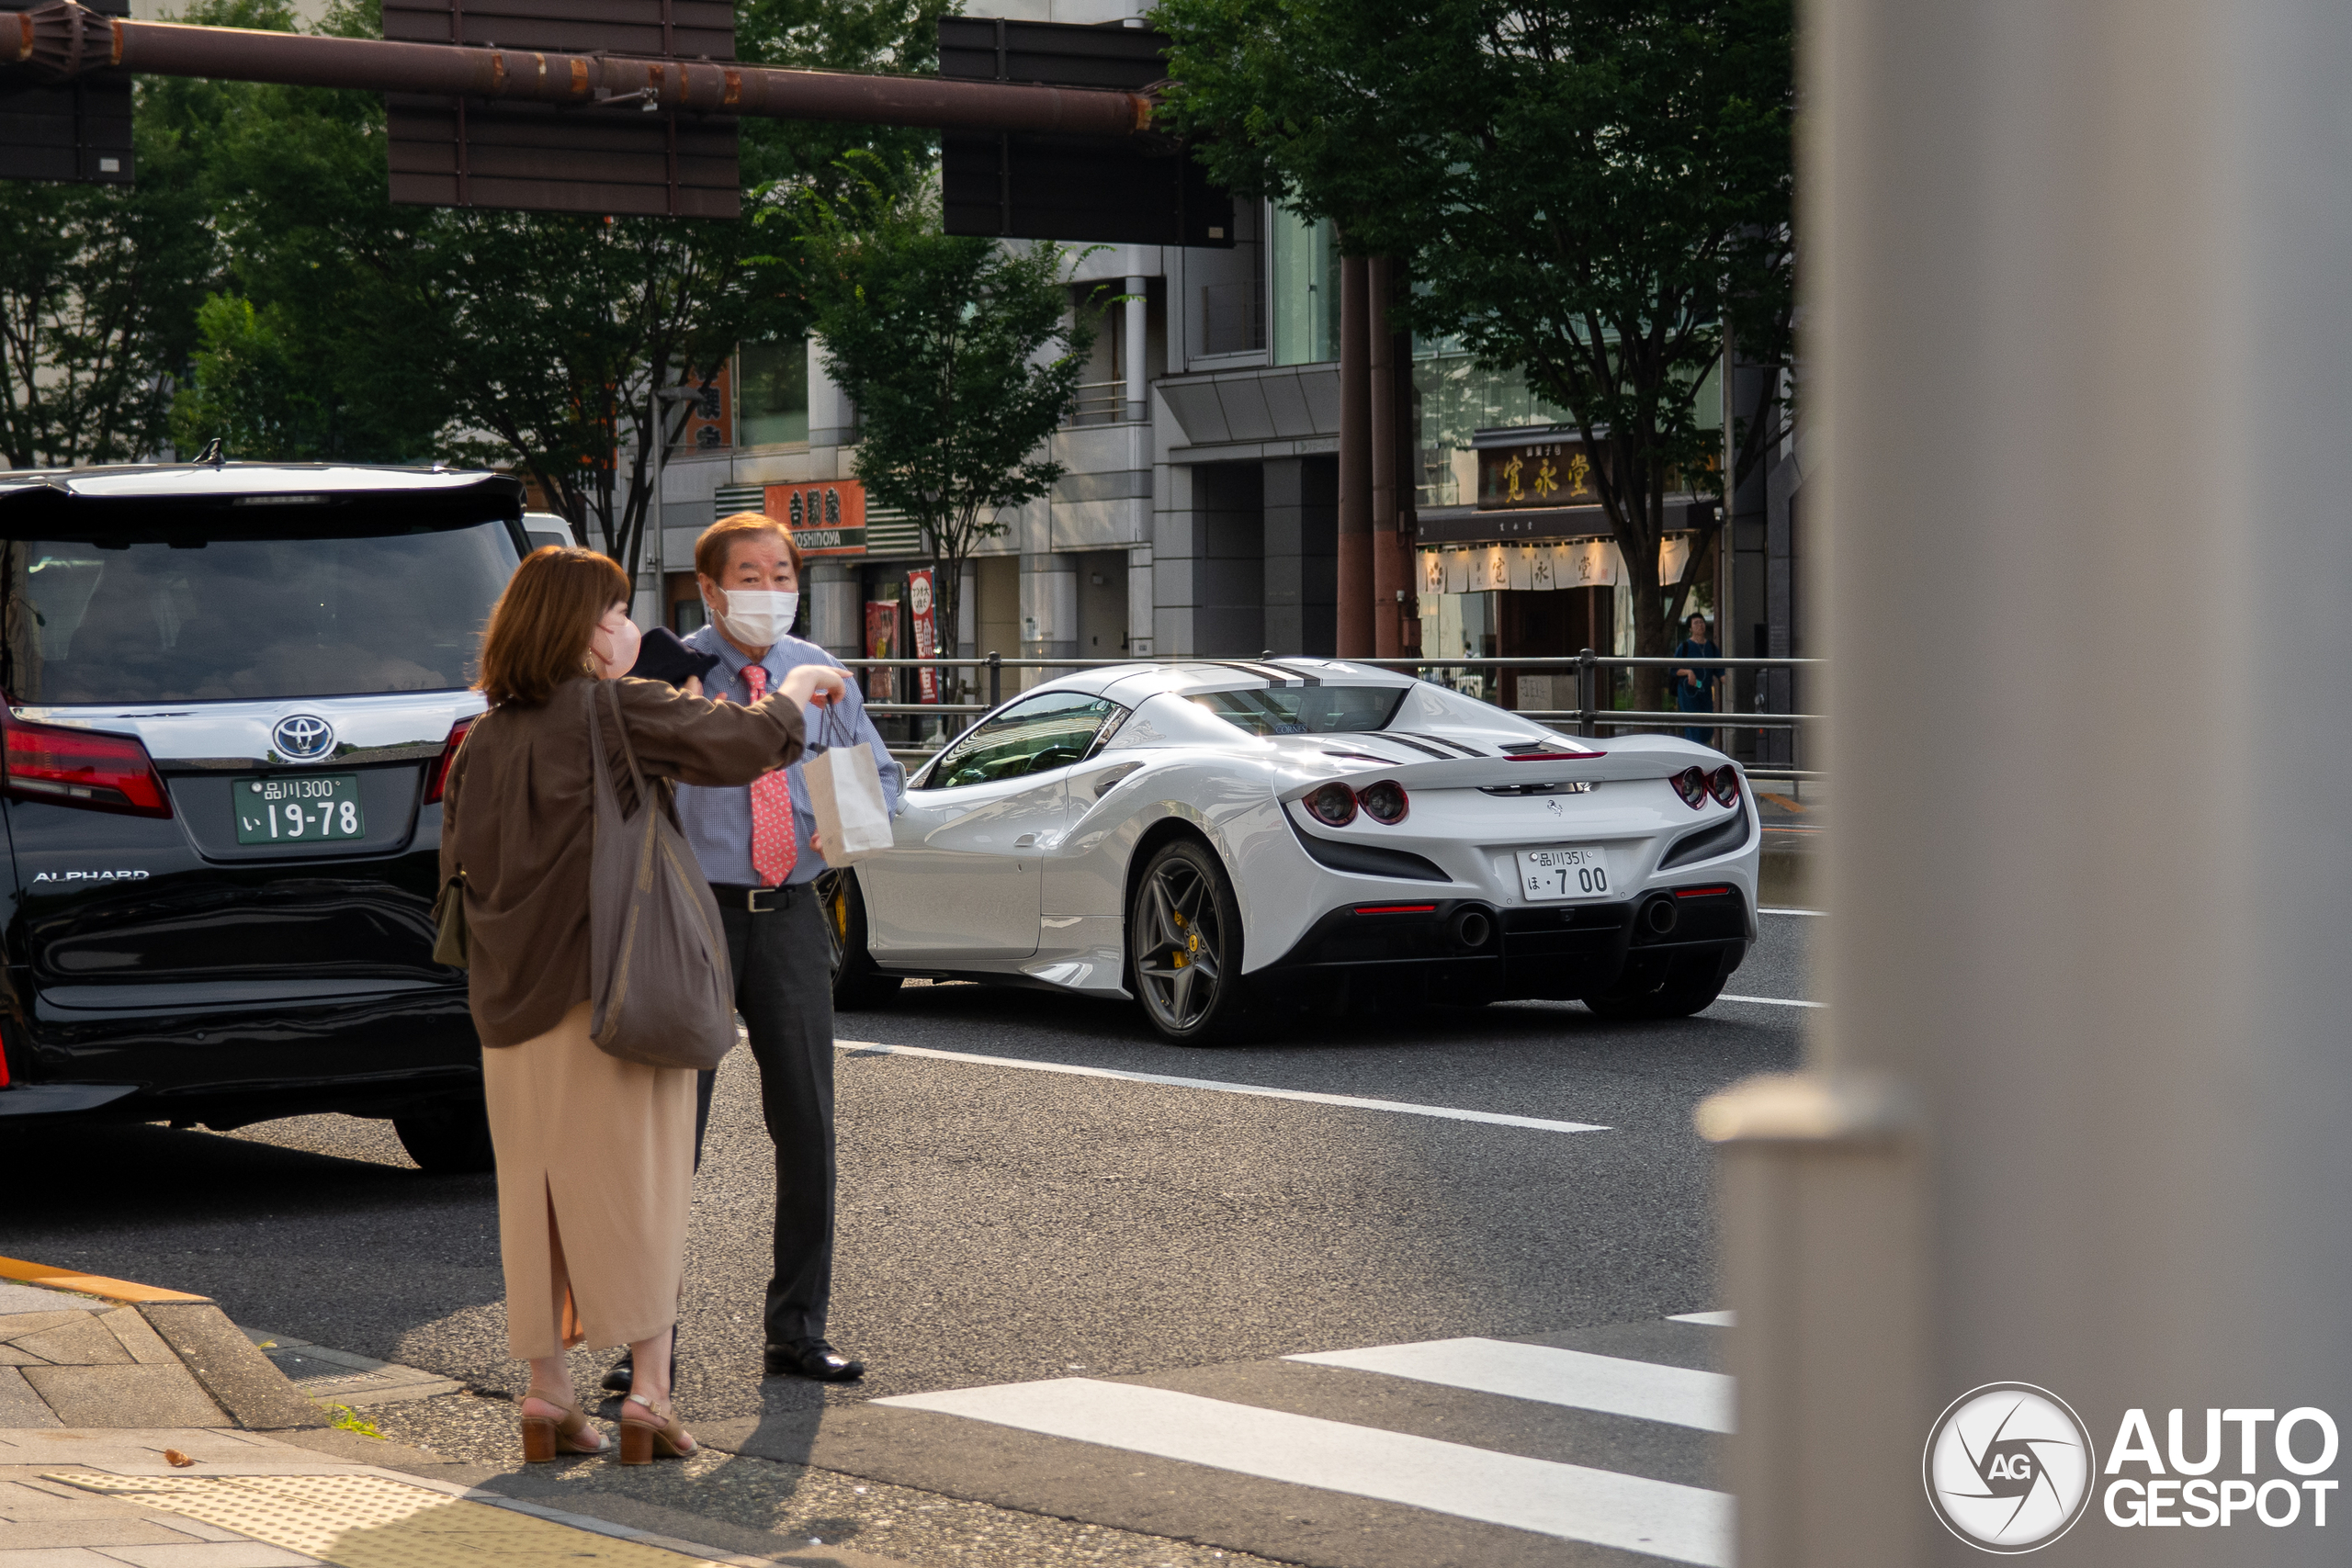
(594, 1154)
(1694, 688)
(756, 845)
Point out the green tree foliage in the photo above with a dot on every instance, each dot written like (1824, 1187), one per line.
(372, 331)
(1592, 192)
(99, 288)
(962, 357)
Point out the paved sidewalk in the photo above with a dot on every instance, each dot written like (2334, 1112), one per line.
(140, 1429)
(204, 1498)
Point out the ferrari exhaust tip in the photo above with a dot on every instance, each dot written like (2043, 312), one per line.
(1660, 916)
(1472, 927)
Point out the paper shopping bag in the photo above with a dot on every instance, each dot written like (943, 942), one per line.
(845, 795)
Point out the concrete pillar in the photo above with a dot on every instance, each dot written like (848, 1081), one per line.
(1048, 609)
(2075, 1114)
(1135, 342)
(1355, 460)
(836, 617)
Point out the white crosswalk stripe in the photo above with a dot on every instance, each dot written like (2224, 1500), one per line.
(1578, 1502)
(1644, 1389)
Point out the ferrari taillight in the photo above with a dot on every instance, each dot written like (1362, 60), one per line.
(1384, 802)
(82, 767)
(1723, 785)
(440, 774)
(1333, 805)
(1691, 783)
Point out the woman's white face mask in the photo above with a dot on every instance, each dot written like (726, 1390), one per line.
(613, 644)
(757, 617)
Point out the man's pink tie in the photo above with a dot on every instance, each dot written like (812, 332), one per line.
(774, 848)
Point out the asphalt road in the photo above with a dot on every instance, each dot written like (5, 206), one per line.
(999, 1224)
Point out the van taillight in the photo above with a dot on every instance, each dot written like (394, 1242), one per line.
(440, 774)
(81, 767)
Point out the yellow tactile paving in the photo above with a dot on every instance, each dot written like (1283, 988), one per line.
(89, 1284)
(370, 1521)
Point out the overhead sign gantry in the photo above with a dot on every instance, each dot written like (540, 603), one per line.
(624, 107)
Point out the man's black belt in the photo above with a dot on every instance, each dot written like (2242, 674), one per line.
(757, 900)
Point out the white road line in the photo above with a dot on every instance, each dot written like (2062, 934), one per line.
(1633, 1513)
(1677, 1395)
(1712, 1319)
(1815, 913)
(1771, 1001)
(1447, 1113)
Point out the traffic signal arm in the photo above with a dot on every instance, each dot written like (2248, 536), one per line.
(64, 40)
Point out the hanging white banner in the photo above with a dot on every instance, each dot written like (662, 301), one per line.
(1432, 572)
(1542, 559)
(1519, 562)
(1498, 568)
(1457, 568)
(1673, 553)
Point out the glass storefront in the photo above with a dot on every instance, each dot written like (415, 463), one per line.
(1303, 277)
(771, 393)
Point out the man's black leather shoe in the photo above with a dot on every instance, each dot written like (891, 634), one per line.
(812, 1359)
(623, 1374)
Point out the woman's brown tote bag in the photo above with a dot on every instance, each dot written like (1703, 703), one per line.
(658, 977)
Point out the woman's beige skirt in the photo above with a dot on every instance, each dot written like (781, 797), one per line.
(595, 1167)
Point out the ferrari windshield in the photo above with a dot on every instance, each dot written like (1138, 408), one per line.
(1305, 710)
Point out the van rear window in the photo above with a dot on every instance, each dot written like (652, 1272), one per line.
(218, 619)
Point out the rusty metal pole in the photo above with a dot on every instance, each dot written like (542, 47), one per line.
(64, 40)
(1388, 575)
(1355, 638)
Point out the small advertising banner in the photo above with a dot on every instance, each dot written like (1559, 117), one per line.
(919, 605)
(881, 637)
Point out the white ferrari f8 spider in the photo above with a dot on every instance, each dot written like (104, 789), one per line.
(1222, 839)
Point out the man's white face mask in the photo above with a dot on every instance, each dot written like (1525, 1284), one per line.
(757, 618)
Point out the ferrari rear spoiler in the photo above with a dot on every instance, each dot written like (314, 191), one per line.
(1357, 768)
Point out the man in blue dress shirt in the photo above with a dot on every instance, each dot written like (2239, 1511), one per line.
(755, 845)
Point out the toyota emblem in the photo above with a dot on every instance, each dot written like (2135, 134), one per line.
(303, 738)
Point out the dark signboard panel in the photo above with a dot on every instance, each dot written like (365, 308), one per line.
(77, 130)
(606, 158)
(1127, 191)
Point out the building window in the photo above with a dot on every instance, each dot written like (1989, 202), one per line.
(1303, 278)
(773, 399)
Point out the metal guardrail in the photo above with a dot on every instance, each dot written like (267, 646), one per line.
(1586, 717)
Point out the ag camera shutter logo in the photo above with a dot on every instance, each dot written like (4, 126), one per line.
(2009, 1467)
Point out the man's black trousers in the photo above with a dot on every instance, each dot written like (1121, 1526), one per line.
(784, 989)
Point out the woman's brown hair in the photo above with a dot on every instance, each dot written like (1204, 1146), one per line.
(538, 636)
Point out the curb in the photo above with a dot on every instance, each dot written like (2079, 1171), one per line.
(227, 1370)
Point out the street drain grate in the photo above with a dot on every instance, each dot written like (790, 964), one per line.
(370, 1521)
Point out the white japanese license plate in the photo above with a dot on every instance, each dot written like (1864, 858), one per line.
(1547, 876)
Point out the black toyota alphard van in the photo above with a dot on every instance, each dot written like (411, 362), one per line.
(231, 693)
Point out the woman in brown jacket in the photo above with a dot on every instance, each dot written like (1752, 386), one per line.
(594, 1155)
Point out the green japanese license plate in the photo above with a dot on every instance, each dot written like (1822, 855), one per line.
(287, 808)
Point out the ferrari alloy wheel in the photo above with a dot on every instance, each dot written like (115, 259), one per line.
(856, 983)
(1184, 941)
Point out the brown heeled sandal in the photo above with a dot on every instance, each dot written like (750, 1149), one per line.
(642, 1440)
(545, 1437)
